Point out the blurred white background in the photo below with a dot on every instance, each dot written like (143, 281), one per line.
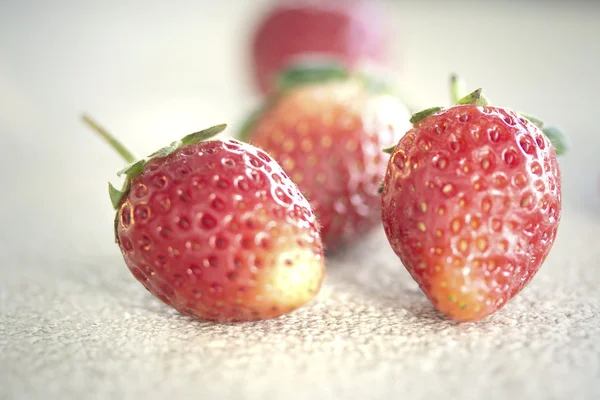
(152, 71)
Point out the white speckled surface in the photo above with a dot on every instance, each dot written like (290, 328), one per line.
(73, 322)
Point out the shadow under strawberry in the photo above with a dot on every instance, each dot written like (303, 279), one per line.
(370, 269)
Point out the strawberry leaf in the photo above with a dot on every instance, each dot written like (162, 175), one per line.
(390, 149)
(557, 138)
(165, 151)
(476, 98)
(421, 115)
(115, 196)
(304, 74)
(202, 135)
(192, 138)
(133, 169)
(536, 121)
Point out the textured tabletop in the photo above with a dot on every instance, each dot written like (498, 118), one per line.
(74, 324)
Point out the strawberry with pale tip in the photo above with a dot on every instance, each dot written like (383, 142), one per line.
(471, 203)
(216, 229)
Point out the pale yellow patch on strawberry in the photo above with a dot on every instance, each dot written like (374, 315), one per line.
(294, 279)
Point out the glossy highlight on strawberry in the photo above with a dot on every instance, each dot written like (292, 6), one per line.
(217, 230)
(471, 203)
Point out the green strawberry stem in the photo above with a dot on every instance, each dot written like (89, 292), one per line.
(119, 147)
(135, 165)
(457, 88)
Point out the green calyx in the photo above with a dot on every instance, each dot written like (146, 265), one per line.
(555, 135)
(306, 74)
(303, 74)
(136, 165)
(476, 98)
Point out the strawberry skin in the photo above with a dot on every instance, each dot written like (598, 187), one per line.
(218, 231)
(349, 32)
(471, 204)
(328, 137)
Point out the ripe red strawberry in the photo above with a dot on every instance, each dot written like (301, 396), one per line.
(349, 32)
(217, 230)
(326, 127)
(471, 203)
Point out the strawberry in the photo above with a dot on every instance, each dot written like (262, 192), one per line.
(471, 203)
(349, 32)
(325, 126)
(217, 230)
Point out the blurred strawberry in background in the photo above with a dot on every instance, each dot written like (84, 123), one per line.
(348, 31)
